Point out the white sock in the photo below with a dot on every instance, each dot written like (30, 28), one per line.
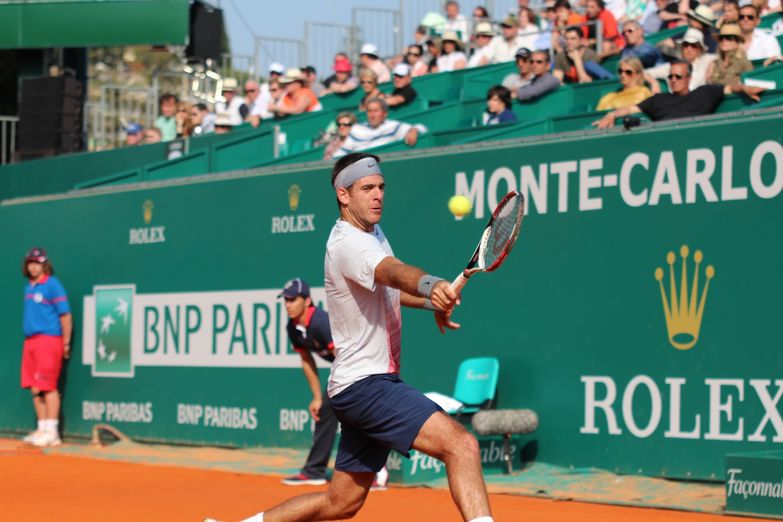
(51, 425)
(42, 425)
(259, 517)
(482, 519)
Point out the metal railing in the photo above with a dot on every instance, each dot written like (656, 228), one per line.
(382, 27)
(8, 126)
(323, 40)
(288, 51)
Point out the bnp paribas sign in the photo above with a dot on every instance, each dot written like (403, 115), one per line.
(125, 330)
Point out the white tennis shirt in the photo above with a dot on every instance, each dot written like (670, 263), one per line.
(364, 317)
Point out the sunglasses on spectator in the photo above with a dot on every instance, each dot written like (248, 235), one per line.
(689, 44)
(629, 72)
(368, 82)
(675, 76)
(250, 90)
(538, 61)
(344, 124)
(747, 17)
(729, 37)
(414, 54)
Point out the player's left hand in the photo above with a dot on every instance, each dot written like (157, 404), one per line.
(443, 320)
(315, 407)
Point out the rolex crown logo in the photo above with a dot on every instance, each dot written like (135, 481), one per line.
(148, 206)
(293, 196)
(683, 311)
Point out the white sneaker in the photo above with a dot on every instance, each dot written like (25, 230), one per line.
(46, 439)
(381, 480)
(30, 437)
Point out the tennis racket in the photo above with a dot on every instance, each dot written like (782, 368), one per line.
(497, 240)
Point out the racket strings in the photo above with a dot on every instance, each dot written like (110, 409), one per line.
(503, 231)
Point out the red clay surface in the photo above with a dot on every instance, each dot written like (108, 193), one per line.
(38, 487)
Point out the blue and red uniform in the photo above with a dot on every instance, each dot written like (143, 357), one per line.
(44, 302)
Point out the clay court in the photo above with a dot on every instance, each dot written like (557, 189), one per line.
(55, 485)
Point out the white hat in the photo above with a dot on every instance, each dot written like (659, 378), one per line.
(293, 75)
(223, 119)
(694, 36)
(484, 28)
(276, 67)
(401, 69)
(369, 48)
(230, 84)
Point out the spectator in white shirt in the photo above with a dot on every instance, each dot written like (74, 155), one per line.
(232, 104)
(378, 130)
(368, 56)
(452, 57)
(456, 22)
(482, 37)
(758, 44)
(503, 48)
(528, 28)
(695, 53)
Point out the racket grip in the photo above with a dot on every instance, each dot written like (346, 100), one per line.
(459, 282)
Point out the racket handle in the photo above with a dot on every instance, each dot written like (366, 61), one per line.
(459, 282)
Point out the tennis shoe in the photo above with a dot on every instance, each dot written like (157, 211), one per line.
(303, 480)
(30, 437)
(46, 439)
(381, 480)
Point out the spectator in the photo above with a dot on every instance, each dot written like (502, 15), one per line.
(571, 63)
(637, 47)
(547, 21)
(758, 44)
(223, 123)
(403, 93)
(633, 90)
(612, 41)
(498, 107)
(311, 79)
(480, 14)
(152, 135)
(433, 51)
(456, 22)
(703, 19)
(543, 82)
(421, 34)
(414, 58)
(184, 124)
(681, 102)
(134, 134)
(345, 121)
(167, 121)
(482, 36)
(452, 57)
(47, 323)
(343, 79)
(565, 17)
(369, 82)
(378, 130)
(730, 13)
(527, 28)
(233, 103)
(202, 121)
(732, 60)
(503, 48)
(251, 110)
(694, 52)
(660, 15)
(514, 81)
(368, 56)
(297, 99)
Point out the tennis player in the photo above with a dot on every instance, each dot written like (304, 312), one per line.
(365, 286)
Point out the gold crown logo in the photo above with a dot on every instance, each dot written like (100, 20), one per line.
(293, 196)
(683, 313)
(148, 206)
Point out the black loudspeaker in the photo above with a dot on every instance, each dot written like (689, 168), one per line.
(206, 32)
(50, 116)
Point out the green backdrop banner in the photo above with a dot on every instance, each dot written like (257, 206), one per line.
(638, 315)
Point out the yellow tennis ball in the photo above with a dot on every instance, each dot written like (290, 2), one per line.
(459, 206)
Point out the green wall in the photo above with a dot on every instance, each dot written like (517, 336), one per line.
(575, 315)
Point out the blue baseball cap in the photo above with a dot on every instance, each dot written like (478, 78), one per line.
(295, 288)
(133, 128)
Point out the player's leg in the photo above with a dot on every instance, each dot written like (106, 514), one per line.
(445, 439)
(345, 496)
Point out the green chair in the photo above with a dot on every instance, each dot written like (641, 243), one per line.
(477, 381)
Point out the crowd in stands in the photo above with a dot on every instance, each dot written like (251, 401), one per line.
(564, 42)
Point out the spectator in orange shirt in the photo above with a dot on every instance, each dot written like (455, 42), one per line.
(298, 99)
(612, 40)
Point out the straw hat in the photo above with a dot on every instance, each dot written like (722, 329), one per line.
(731, 30)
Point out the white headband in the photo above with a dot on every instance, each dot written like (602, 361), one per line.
(363, 167)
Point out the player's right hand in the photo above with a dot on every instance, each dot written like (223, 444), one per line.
(444, 297)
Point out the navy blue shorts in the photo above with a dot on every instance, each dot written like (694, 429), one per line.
(378, 414)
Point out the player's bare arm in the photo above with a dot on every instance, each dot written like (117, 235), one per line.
(406, 278)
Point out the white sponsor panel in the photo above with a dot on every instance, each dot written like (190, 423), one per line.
(239, 329)
(736, 486)
(215, 416)
(111, 411)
